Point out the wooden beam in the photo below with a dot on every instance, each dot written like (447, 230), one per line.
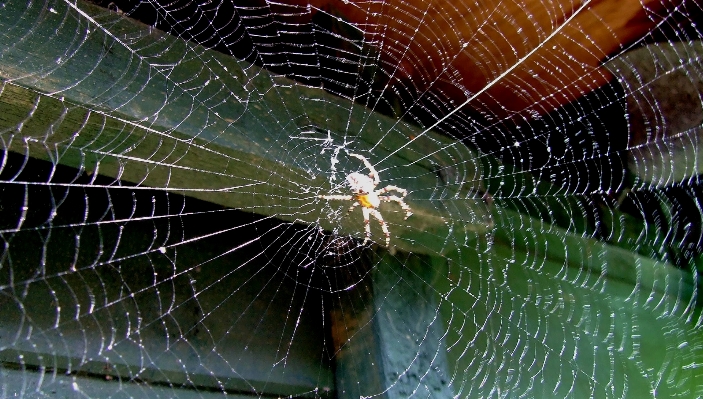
(389, 338)
(94, 90)
(457, 50)
(132, 103)
(115, 305)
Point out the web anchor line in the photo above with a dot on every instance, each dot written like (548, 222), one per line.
(494, 81)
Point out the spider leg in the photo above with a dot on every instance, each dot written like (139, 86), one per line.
(384, 226)
(367, 228)
(336, 197)
(403, 192)
(393, 198)
(354, 205)
(372, 172)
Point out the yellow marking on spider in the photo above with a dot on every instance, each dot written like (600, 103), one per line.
(364, 193)
(364, 201)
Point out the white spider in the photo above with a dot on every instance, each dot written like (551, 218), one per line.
(365, 194)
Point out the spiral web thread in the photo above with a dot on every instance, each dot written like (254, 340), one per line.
(174, 199)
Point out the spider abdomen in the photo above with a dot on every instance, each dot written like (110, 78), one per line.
(368, 200)
(364, 193)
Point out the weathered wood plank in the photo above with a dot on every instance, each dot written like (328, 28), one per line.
(610, 262)
(17, 384)
(134, 103)
(539, 295)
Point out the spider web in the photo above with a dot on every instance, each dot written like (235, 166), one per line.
(166, 233)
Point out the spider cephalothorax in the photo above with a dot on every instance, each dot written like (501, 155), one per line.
(365, 194)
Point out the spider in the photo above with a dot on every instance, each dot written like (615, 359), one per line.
(365, 194)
